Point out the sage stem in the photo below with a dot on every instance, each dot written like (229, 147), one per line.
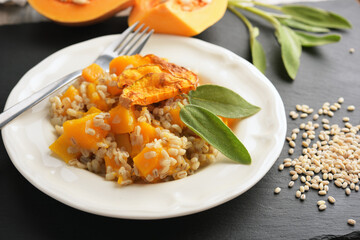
(244, 19)
(263, 14)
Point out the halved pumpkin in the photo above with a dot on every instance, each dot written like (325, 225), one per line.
(180, 17)
(69, 13)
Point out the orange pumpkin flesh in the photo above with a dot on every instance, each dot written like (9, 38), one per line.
(149, 134)
(146, 165)
(174, 17)
(92, 73)
(76, 129)
(79, 14)
(122, 120)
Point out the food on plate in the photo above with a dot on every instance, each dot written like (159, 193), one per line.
(180, 17)
(136, 122)
(79, 12)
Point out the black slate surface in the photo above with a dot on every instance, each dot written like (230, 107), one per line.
(326, 73)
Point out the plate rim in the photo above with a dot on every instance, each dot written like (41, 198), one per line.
(235, 193)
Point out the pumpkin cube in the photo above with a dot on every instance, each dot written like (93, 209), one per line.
(122, 120)
(84, 133)
(92, 73)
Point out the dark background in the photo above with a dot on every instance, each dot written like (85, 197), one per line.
(326, 73)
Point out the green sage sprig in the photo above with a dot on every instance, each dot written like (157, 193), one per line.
(290, 25)
(208, 102)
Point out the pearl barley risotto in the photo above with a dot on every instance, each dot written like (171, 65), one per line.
(125, 124)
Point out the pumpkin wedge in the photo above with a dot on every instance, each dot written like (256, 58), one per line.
(70, 13)
(179, 17)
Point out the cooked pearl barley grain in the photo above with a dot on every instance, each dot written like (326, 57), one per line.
(277, 190)
(320, 202)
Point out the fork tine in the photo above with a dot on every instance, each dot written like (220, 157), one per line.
(136, 40)
(114, 45)
(142, 44)
(129, 40)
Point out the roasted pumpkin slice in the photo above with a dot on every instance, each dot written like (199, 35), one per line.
(154, 87)
(180, 17)
(71, 13)
(173, 68)
(130, 75)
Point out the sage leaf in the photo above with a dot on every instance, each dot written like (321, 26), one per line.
(302, 26)
(222, 101)
(290, 49)
(310, 40)
(210, 128)
(316, 17)
(257, 52)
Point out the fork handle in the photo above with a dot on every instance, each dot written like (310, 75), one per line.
(9, 114)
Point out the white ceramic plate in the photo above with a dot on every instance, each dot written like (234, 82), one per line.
(27, 138)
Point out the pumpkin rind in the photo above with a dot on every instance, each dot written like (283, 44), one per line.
(79, 14)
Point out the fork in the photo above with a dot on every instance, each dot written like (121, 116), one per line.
(126, 44)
